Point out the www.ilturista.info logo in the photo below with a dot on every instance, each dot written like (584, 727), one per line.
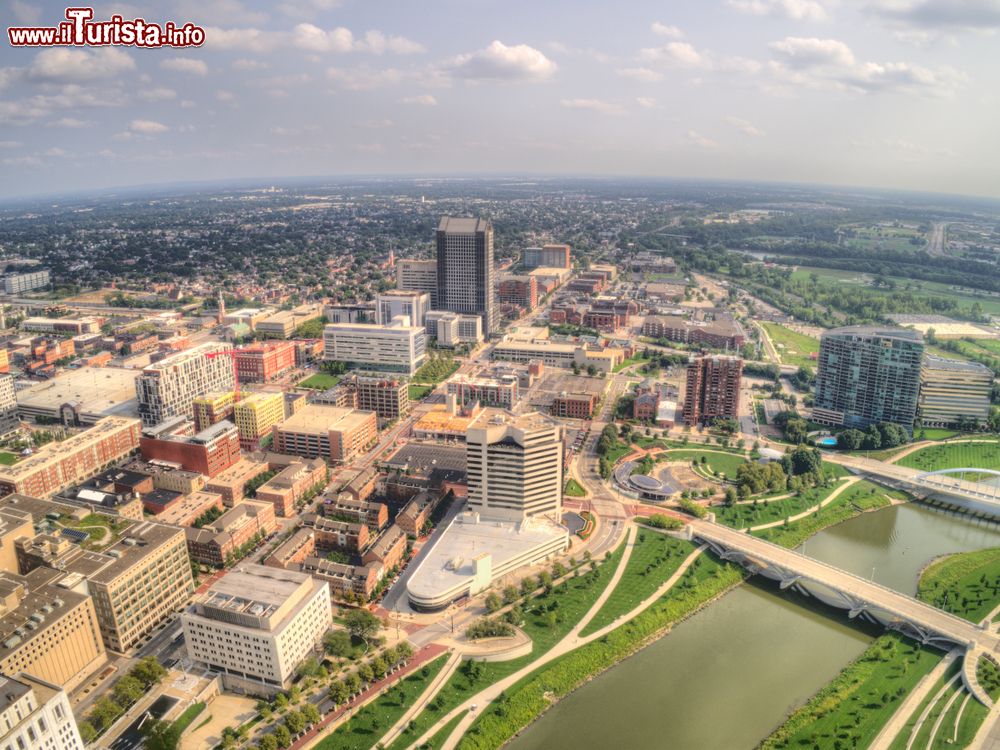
(79, 29)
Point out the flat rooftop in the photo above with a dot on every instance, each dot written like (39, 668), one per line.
(321, 418)
(96, 392)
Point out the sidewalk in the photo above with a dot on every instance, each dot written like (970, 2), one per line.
(426, 697)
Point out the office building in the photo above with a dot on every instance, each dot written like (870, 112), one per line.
(220, 542)
(361, 312)
(417, 276)
(329, 432)
(397, 347)
(48, 630)
(713, 389)
(867, 375)
(208, 452)
(466, 277)
(257, 624)
(519, 290)
(8, 405)
(57, 465)
(169, 387)
(255, 415)
(296, 480)
(407, 302)
(14, 524)
(499, 391)
(515, 466)
(212, 408)
(574, 405)
(64, 326)
(35, 715)
(263, 362)
(387, 397)
(553, 354)
(453, 329)
(547, 256)
(19, 283)
(954, 392)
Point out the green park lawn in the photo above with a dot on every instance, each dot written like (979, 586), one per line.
(654, 559)
(368, 725)
(442, 735)
(935, 433)
(574, 489)
(570, 600)
(743, 515)
(966, 584)
(320, 381)
(852, 709)
(717, 461)
(983, 454)
(8, 459)
(793, 348)
(419, 392)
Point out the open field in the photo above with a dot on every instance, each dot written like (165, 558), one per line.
(722, 463)
(419, 392)
(793, 348)
(967, 584)
(320, 381)
(983, 454)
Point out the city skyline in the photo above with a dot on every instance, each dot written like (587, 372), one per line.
(879, 94)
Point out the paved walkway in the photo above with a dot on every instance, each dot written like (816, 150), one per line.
(809, 511)
(426, 697)
(897, 722)
(570, 642)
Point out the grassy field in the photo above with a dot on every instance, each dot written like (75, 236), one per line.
(967, 583)
(741, 516)
(573, 489)
(365, 728)
(569, 600)
(436, 369)
(654, 559)
(860, 497)
(852, 709)
(723, 463)
(976, 455)
(936, 433)
(419, 392)
(8, 459)
(320, 381)
(438, 740)
(637, 360)
(793, 348)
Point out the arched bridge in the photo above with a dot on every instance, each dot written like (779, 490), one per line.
(860, 597)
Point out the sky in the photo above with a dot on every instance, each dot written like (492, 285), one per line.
(875, 93)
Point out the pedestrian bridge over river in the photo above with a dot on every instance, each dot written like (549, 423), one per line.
(859, 596)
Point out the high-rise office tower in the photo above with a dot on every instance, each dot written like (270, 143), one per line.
(466, 278)
(868, 374)
(713, 389)
(515, 467)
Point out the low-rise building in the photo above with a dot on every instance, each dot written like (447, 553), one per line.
(416, 514)
(397, 347)
(219, 543)
(255, 416)
(335, 434)
(331, 534)
(722, 331)
(574, 405)
(208, 452)
(263, 362)
(293, 483)
(256, 625)
(66, 326)
(388, 549)
(345, 507)
(184, 510)
(501, 390)
(454, 329)
(553, 354)
(81, 396)
(231, 482)
(212, 408)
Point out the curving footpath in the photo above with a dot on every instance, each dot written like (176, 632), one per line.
(812, 509)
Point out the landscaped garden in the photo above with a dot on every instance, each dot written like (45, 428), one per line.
(320, 381)
(979, 454)
(574, 489)
(716, 462)
(764, 510)
(967, 584)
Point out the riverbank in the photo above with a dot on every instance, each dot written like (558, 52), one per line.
(703, 583)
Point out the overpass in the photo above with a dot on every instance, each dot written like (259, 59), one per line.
(860, 597)
(954, 483)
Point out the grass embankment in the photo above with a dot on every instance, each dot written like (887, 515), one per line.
(966, 584)
(365, 728)
(529, 698)
(574, 489)
(857, 499)
(443, 734)
(902, 739)
(569, 600)
(320, 381)
(763, 511)
(654, 559)
(717, 462)
(983, 454)
(793, 348)
(851, 710)
(190, 714)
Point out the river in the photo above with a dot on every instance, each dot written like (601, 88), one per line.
(726, 677)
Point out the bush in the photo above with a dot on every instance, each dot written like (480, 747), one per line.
(488, 627)
(661, 521)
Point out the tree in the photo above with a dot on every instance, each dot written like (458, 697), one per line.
(730, 496)
(851, 440)
(87, 732)
(379, 667)
(510, 594)
(366, 673)
(282, 736)
(159, 735)
(362, 624)
(149, 671)
(105, 711)
(311, 714)
(295, 722)
(338, 643)
(493, 602)
(796, 430)
(339, 692)
(128, 690)
(404, 651)
(267, 742)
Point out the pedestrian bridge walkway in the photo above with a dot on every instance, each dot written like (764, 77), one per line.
(859, 596)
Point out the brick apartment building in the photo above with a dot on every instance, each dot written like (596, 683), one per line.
(208, 452)
(262, 363)
(713, 389)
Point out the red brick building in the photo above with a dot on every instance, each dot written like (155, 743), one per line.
(519, 290)
(213, 543)
(208, 452)
(262, 363)
(713, 389)
(388, 549)
(574, 405)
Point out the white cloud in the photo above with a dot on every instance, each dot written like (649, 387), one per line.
(62, 65)
(797, 10)
(225, 96)
(744, 126)
(680, 54)
(185, 65)
(219, 11)
(961, 15)
(594, 105)
(640, 74)
(147, 127)
(249, 39)
(310, 37)
(671, 32)
(801, 52)
(693, 136)
(365, 79)
(645, 102)
(25, 12)
(378, 43)
(246, 64)
(425, 100)
(499, 61)
(159, 94)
